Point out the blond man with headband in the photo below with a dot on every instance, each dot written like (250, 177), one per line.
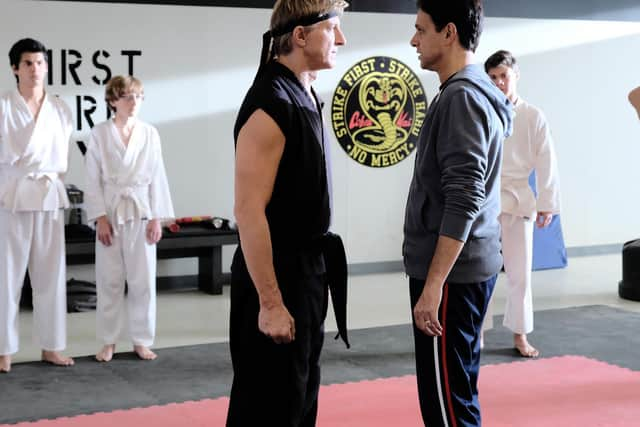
(282, 207)
(127, 196)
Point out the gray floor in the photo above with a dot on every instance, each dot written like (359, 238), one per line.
(192, 373)
(188, 318)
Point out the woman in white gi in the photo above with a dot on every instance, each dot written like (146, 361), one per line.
(34, 142)
(128, 197)
(529, 148)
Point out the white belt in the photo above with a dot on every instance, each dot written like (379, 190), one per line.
(120, 217)
(120, 196)
(49, 181)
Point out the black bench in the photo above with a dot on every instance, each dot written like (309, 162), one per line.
(192, 241)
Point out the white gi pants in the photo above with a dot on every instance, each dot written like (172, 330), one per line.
(33, 240)
(517, 251)
(128, 258)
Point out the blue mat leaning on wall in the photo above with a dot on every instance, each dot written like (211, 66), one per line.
(548, 243)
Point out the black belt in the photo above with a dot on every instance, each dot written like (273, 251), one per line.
(335, 260)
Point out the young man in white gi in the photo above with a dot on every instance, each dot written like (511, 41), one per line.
(128, 197)
(35, 128)
(529, 148)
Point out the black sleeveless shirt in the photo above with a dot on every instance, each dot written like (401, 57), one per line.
(298, 213)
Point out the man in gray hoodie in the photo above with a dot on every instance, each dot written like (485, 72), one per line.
(451, 243)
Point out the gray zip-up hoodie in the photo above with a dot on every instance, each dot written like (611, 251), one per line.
(455, 189)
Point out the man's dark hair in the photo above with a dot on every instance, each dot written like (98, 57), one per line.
(466, 15)
(25, 46)
(501, 57)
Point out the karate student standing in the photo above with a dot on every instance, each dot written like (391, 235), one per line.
(35, 128)
(128, 197)
(529, 148)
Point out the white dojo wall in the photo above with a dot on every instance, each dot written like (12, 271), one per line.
(197, 63)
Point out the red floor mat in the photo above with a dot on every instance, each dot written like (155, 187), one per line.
(562, 391)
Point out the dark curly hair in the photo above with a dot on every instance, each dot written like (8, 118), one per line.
(466, 15)
(25, 46)
(501, 57)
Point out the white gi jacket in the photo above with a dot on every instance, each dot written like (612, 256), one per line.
(126, 182)
(529, 148)
(33, 154)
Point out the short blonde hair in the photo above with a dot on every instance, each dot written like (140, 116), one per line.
(120, 85)
(286, 11)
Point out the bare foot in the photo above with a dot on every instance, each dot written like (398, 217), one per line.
(5, 364)
(55, 358)
(523, 347)
(144, 353)
(106, 354)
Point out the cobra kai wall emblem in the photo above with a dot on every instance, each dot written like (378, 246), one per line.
(377, 111)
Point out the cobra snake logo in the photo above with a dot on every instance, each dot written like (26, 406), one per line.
(382, 98)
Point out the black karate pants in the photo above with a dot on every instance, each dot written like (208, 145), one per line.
(447, 367)
(276, 384)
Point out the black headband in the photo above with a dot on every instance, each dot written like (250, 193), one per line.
(304, 21)
(288, 27)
